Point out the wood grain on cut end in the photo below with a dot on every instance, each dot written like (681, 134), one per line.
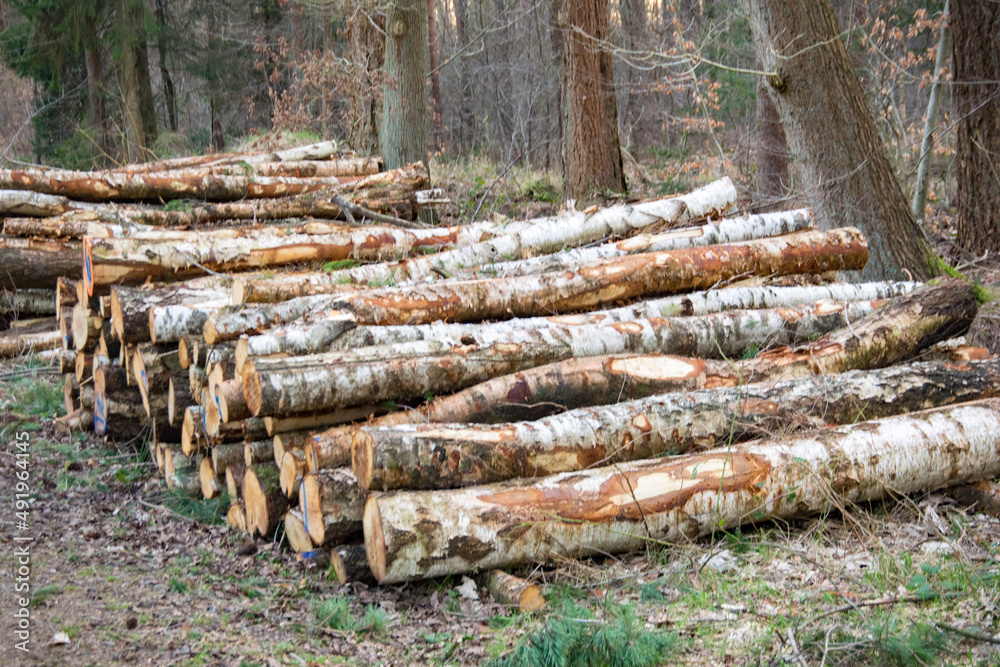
(236, 518)
(295, 532)
(374, 538)
(312, 508)
(241, 354)
(210, 487)
(253, 500)
(349, 563)
(251, 388)
(292, 471)
(361, 458)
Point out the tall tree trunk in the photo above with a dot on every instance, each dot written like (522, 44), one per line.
(434, 50)
(147, 108)
(592, 158)
(828, 124)
(976, 59)
(169, 95)
(466, 116)
(403, 135)
(135, 138)
(215, 122)
(366, 51)
(771, 157)
(633, 17)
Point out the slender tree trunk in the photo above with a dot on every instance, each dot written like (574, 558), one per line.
(169, 95)
(434, 51)
(147, 108)
(466, 115)
(771, 149)
(592, 159)
(95, 87)
(829, 127)
(135, 138)
(403, 135)
(976, 60)
(366, 51)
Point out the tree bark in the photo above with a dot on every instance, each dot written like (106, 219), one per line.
(366, 49)
(437, 106)
(771, 149)
(922, 185)
(169, 96)
(619, 508)
(831, 131)
(592, 159)
(590, 287)
(403, 134)
(516, 593)
(349, 564)
(345, 379)
(36, 262)
(133, 310)
(976, 96)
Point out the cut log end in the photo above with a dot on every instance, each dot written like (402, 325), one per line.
(210, 333)
(507, 589)
(255, 502)
(209, 481)
(239, 292)
(171, 403)
(236, 518)
(152, 325)
(291, 473)
(312, 508)
(374, 538)
(213, 417)
(141, 379)
(349, 563)
(88, 266)
(295, 531)
(361, 458)
(242, 354)
(251, 389)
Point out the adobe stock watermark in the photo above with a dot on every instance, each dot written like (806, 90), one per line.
(21, 444)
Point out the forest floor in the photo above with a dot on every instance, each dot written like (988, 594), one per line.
(123, 571)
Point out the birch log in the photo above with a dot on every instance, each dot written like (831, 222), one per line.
(411, 535)
(592, 286)
(36, 262)
(452, 455)
(34, 301)
(336, 380)
(339, 332)
(264, 502)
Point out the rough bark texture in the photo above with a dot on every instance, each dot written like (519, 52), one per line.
(332, 504)
(770, 153)
(976, 61)
(831, 132)
(403, 135)
(372, 375)
(924, 159)
(37, 262)
(366, 51)
(592, 159)
(412, 535)
(591, 286)
(453, 455)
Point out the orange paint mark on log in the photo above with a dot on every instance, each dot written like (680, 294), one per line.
(637, 493)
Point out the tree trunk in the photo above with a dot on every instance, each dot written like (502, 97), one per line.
(831, 131)
(976, 95)
(147, 108)
(344, 379)
(590, 287)
(366, 49)
(620, 508)
(437, 106)
(466, 115)
(930, 121)
(403, 135)
(169, 96)
(771, 149)
(592, 159)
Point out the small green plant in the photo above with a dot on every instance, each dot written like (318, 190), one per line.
(43, 593)
(177, 206)
(339, 265)
(573, 636)
(35, 397)
(178, 586)
(335, 613)
(752, 350)
(211, 512)
(542, 190)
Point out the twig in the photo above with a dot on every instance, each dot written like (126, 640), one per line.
(796, 653)
(345, 207)
(167, 509)
(968, 633)
(880, 603)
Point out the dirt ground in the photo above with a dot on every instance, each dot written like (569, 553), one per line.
(121, 571)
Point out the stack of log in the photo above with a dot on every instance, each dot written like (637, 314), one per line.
(457, 399)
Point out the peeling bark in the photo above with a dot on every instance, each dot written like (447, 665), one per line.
(411, 535)
(332, 504)
(590, 287)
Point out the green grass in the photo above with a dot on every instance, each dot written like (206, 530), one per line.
(210, 512)
(335, 613)
(339, 265)
(35, 398)
(574, 636)
(43, 593)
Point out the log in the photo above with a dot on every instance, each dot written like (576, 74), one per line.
(293, 441)
(86, 328)
(533, 238)
(183, 472)
(234, 482)
(514, 592)
(332, 504)
(292, 469)
(13, 343)
(37, 263)
(259, 451)
(349, 564)
(982, 496)
(171, 255)
(178, 398)
(34, 301)
(168, 312)
(452, 455)
(345, 379)
(211, 483)
(620, 508)
(265, 503)
(187, 347)
(194, 184)
(153, 367)
(295, 532)
(323, 150)
(236, 518)
(591, 286)
(339, 332)
(229, 397)
(312, 421)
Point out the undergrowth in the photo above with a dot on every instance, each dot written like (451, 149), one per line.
(574, 636)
